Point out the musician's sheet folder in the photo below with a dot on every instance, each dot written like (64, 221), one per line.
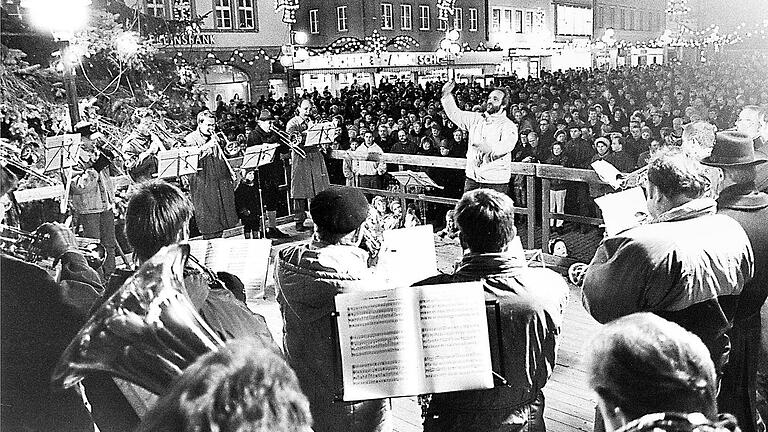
(247, 259)
(414, 340)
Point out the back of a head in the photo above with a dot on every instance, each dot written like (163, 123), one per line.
(242, 387)
(677, 174)
(644, 364)
(486, 220)
(156, 216)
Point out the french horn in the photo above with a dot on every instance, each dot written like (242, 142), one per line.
(147, 332)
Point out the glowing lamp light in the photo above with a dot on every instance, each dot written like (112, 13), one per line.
(127, 44)
(454, 49)
(453, 35)
(61, 17)
(286, 61)
(301, 38)
(302, 54)
(445, 45)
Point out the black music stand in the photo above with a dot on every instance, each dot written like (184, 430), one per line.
(320, 133)
(418, 179)
(254, 157)
(61, 152)
(177, 162)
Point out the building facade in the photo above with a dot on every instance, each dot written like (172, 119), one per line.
(367, 41)
(240, 40)
(630, 21)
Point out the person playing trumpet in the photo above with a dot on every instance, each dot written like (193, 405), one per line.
(141, 147)
(212, 188)
(92, 196)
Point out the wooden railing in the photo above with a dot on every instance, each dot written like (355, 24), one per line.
(532, 173)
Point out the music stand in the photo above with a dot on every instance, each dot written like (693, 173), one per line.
(414, 178)
(177, 162)
(61, 151)
(320, 133)
(254, 157)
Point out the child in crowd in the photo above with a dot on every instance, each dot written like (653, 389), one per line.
(248, 205)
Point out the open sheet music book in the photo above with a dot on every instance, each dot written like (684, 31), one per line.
(247, 259)
(415, 340)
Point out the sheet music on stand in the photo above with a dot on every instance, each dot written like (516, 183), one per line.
(320, 133)
(414, 178)
(256, 156)
(177, 162)
(61, 151)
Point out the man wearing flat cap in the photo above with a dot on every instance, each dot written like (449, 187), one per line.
(309, 276)
(733, 153)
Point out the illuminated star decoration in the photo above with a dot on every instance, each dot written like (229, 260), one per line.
(445, 9)
(288, 8)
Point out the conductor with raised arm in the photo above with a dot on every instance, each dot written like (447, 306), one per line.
(492, 136)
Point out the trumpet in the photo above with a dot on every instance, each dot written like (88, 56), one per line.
(292, 141)
(26, 247)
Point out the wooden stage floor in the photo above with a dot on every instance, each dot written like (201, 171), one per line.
(569, 403)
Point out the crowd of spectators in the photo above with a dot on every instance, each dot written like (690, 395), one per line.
(561, 118)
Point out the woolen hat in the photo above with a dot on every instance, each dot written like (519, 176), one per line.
(339, 210)
(732, 149)
(265, 115)
(561, 132)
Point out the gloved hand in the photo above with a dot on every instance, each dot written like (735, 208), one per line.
(56, 239)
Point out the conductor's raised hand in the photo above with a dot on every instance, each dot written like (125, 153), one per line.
(448, 87)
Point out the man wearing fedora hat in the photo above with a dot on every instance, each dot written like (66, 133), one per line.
(733, 153)
(309, 275)
(272, 175)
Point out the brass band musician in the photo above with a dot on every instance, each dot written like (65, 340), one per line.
(212, 188)
(141, 147)
(309, 176)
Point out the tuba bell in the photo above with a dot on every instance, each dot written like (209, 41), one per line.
(147, 332)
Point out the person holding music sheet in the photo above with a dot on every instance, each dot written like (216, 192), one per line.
(39, 316)
(531, 302)
(309, 175)
(492, 137)
(141, 147)
(688, 265)
(308, 276)
(212, 189)
(92, 197)
(271, 175)
(369, 174)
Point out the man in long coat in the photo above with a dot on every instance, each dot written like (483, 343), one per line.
(734, 154)
(212, 188)
(309, 176)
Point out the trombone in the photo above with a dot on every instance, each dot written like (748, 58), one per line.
(292, 141)
(26, 247)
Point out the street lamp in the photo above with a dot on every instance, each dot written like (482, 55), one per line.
(63, 18)
(449, 47)
(290, 55)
